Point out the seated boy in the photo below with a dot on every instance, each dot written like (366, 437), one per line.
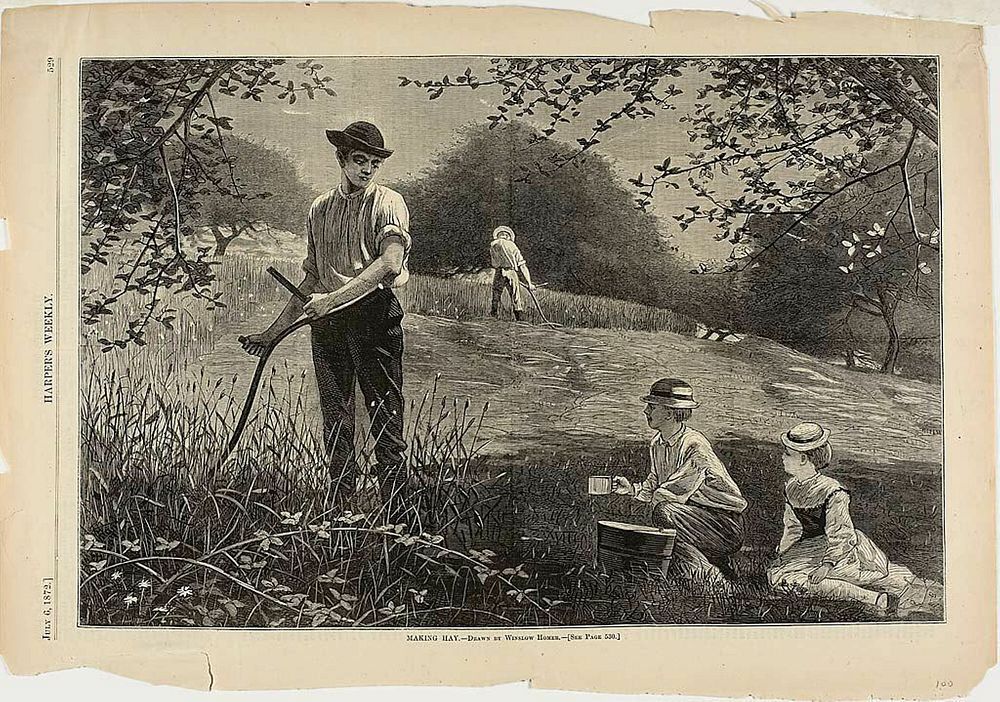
(689, 487)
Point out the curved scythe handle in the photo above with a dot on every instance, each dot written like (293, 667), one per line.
(262, 362)
(535, 300)
(255, 384)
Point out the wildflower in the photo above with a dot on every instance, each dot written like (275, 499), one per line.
(184, 591)
(164, 545)
(321, 530)
(266, 540)
(406, 539)
(392, 609)
(145, 584)
(90, 542)
(130, 600)
(520, 595)
(116, 575)
(161, 610)
(517, 571)
(484, 556)
(294, 599)
(330, 576)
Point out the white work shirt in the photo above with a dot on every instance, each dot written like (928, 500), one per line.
(505, 254)
(346, 232)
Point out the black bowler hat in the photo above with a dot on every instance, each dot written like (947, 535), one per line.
(672, 393)
(360, 136)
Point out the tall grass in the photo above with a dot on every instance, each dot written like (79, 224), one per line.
(195, 330)
(248, 289)
(462, 299)
(173, 536)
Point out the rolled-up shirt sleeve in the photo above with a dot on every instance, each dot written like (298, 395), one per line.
(840, 534)
(681, 483)
(685, 481)
(392, 220)
(643, 491)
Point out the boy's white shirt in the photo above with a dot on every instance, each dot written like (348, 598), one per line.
(684, 480)
(644, 490)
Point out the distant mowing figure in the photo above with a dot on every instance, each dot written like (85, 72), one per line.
(689, 487)
(358, 244)
(822, 553)
(508, 264)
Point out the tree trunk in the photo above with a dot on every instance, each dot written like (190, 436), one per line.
(927, 81)
(894, 95)
(222, 244)
(892, 345)
(222, 241)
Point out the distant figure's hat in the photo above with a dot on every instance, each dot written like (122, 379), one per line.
(501, 230)
(360, 136)
(805, 436)
(672, 393)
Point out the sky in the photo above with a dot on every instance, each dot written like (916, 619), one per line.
(417, 128)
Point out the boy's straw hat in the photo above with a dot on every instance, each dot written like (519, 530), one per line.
(672, 393)
(503, 230)
(805, 436)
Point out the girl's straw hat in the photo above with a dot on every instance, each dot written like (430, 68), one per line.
(805, 436)
(501, 230)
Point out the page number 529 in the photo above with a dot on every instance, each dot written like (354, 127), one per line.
(50, 65)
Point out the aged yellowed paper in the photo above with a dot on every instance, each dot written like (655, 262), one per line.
(639, 359)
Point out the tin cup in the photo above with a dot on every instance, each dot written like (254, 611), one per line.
(599, 485)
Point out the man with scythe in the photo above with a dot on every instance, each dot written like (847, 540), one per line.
(508, 266)
(358, 245)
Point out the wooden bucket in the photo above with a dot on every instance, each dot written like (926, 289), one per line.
(634, 547)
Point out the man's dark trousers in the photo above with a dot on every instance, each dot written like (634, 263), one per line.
(363, 343)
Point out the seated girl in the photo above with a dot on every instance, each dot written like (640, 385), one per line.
(822, 554)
